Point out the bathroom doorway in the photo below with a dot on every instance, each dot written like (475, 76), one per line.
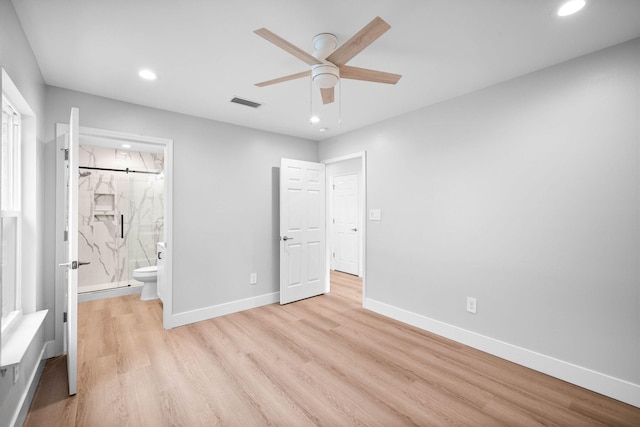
(133, 198)
(346, 216)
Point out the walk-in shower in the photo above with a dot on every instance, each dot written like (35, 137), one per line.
(120, 215)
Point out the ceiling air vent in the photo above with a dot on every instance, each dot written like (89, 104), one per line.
(246, 102)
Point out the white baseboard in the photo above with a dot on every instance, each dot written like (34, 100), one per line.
(27, 396)
(50, 350)
(193, 316)
(600, 383)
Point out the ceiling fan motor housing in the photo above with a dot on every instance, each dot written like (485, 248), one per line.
(325, 76)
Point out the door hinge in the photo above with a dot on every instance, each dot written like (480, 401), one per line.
(334, 186)
(66, 235)
(334, 254)
(64, 317)
(66, 154)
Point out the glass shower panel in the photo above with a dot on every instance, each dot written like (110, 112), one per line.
(100, 231)
(122, 234)
(145, 219)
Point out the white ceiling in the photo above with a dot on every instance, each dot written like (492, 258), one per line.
(205, 52)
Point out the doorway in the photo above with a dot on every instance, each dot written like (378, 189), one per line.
(112, 139)
(345, 213)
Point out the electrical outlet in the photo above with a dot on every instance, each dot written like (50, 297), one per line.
(472, 305)
(253, 278)
(16, 373)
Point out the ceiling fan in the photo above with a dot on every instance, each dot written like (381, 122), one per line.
(328, 64)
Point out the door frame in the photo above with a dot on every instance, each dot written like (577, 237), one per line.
(113, 139)
(362, 155)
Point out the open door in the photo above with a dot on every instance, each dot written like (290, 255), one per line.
(71, 237)
(302, 230)
(345, 223)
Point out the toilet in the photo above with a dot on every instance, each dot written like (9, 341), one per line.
(148, 276)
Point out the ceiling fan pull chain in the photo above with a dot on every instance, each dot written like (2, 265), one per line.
(339, 102)
(310, 98)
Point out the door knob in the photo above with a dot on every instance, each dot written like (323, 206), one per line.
(285, 238)
(84, 263)
(354, 229)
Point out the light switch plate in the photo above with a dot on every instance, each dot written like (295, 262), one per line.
(375, 215)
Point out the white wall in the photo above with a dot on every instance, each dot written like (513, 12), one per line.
(17, 58)
(524, 195)
(225, 205)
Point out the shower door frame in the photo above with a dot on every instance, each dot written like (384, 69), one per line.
(115, 139)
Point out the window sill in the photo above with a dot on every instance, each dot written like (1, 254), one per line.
(17, 338)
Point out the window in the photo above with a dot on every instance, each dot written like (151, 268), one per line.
(10, 212)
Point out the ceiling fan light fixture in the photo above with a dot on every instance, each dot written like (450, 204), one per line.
(325, 76)
(314, 119)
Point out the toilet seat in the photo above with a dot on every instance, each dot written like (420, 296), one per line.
(145, 272)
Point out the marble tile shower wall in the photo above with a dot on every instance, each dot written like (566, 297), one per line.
(120, 215)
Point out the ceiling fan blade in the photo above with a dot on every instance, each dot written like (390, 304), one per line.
(284, 79)
(283, 44)
(359, 41)
(355, 73)
(327, 95)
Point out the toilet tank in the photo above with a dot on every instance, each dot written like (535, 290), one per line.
(161, 250)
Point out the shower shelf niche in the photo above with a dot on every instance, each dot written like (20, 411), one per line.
(104, 207)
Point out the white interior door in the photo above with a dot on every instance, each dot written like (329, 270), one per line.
(71, 213)
(302, 230)
(345, 227)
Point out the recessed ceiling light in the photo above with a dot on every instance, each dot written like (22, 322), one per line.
(314, 119)
(570, 7)
(322, 129)
(126, 146)
(147, 74)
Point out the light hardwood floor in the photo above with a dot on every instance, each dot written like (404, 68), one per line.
(321, 361)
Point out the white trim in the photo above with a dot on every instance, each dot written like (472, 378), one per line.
(167, 299)
(18, 338)
(61, 254)
(601, 383)
(118, 137)
(218, 310)
(27, 397)
(50, 349)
